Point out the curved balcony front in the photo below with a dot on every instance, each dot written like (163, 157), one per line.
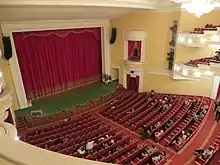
(5, 99)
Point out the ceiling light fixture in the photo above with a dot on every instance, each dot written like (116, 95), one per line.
(198, 7)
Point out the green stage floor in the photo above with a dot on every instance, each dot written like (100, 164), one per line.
(69, 99)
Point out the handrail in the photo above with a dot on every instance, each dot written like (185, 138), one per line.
(21, 153)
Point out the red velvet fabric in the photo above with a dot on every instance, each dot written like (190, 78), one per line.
(57, 60)
(128, 81)
(10, 117)
(131, 46)
(137, 82)
(218, 92)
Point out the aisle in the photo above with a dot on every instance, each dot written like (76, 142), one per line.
(185, 156)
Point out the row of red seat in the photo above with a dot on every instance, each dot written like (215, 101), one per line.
(120, 101)
(208, 27)
(23, 123)
(215, 146)
(171, 114)
(125, 106)
(150, 105)
(141, 113)
(128, 105)
(154, 111)
(205, 61)
(176, 119)
(69, 124)
(195, 126)
(182, 125)
(160, 115)
(192, 125)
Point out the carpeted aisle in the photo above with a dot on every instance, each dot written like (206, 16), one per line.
(185, 156)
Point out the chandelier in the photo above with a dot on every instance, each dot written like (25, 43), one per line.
(198, 7)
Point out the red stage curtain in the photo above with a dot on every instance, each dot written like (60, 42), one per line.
(218, 92)
(128, 81)
(137, 82)
(132, 45)
(54, 61)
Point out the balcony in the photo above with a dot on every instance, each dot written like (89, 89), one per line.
(5, 99)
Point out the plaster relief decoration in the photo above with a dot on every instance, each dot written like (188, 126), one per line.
(134, 51)
(198, 7)
(172, 44)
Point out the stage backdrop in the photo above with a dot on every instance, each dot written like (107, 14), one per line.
(55, 61)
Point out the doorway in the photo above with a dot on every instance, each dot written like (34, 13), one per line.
(133, 83)
(115, 74)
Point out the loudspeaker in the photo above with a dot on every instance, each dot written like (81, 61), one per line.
(113, 36)
(7, 47)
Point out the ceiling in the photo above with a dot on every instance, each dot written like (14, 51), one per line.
(61, 13)
(24, 10)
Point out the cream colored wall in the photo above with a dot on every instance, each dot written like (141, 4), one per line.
(157, 25)
(4, 65)
(6, 162)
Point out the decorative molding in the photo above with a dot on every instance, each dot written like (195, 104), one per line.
(19, 26)
(193, 73)
(116, 66)
(161, 72)
(9, 129)
(6, 94)
(134, 35)
(133, 66)
(141, 4)
(188, 39)
(214, 65)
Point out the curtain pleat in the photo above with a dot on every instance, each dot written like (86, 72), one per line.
(55, 61)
